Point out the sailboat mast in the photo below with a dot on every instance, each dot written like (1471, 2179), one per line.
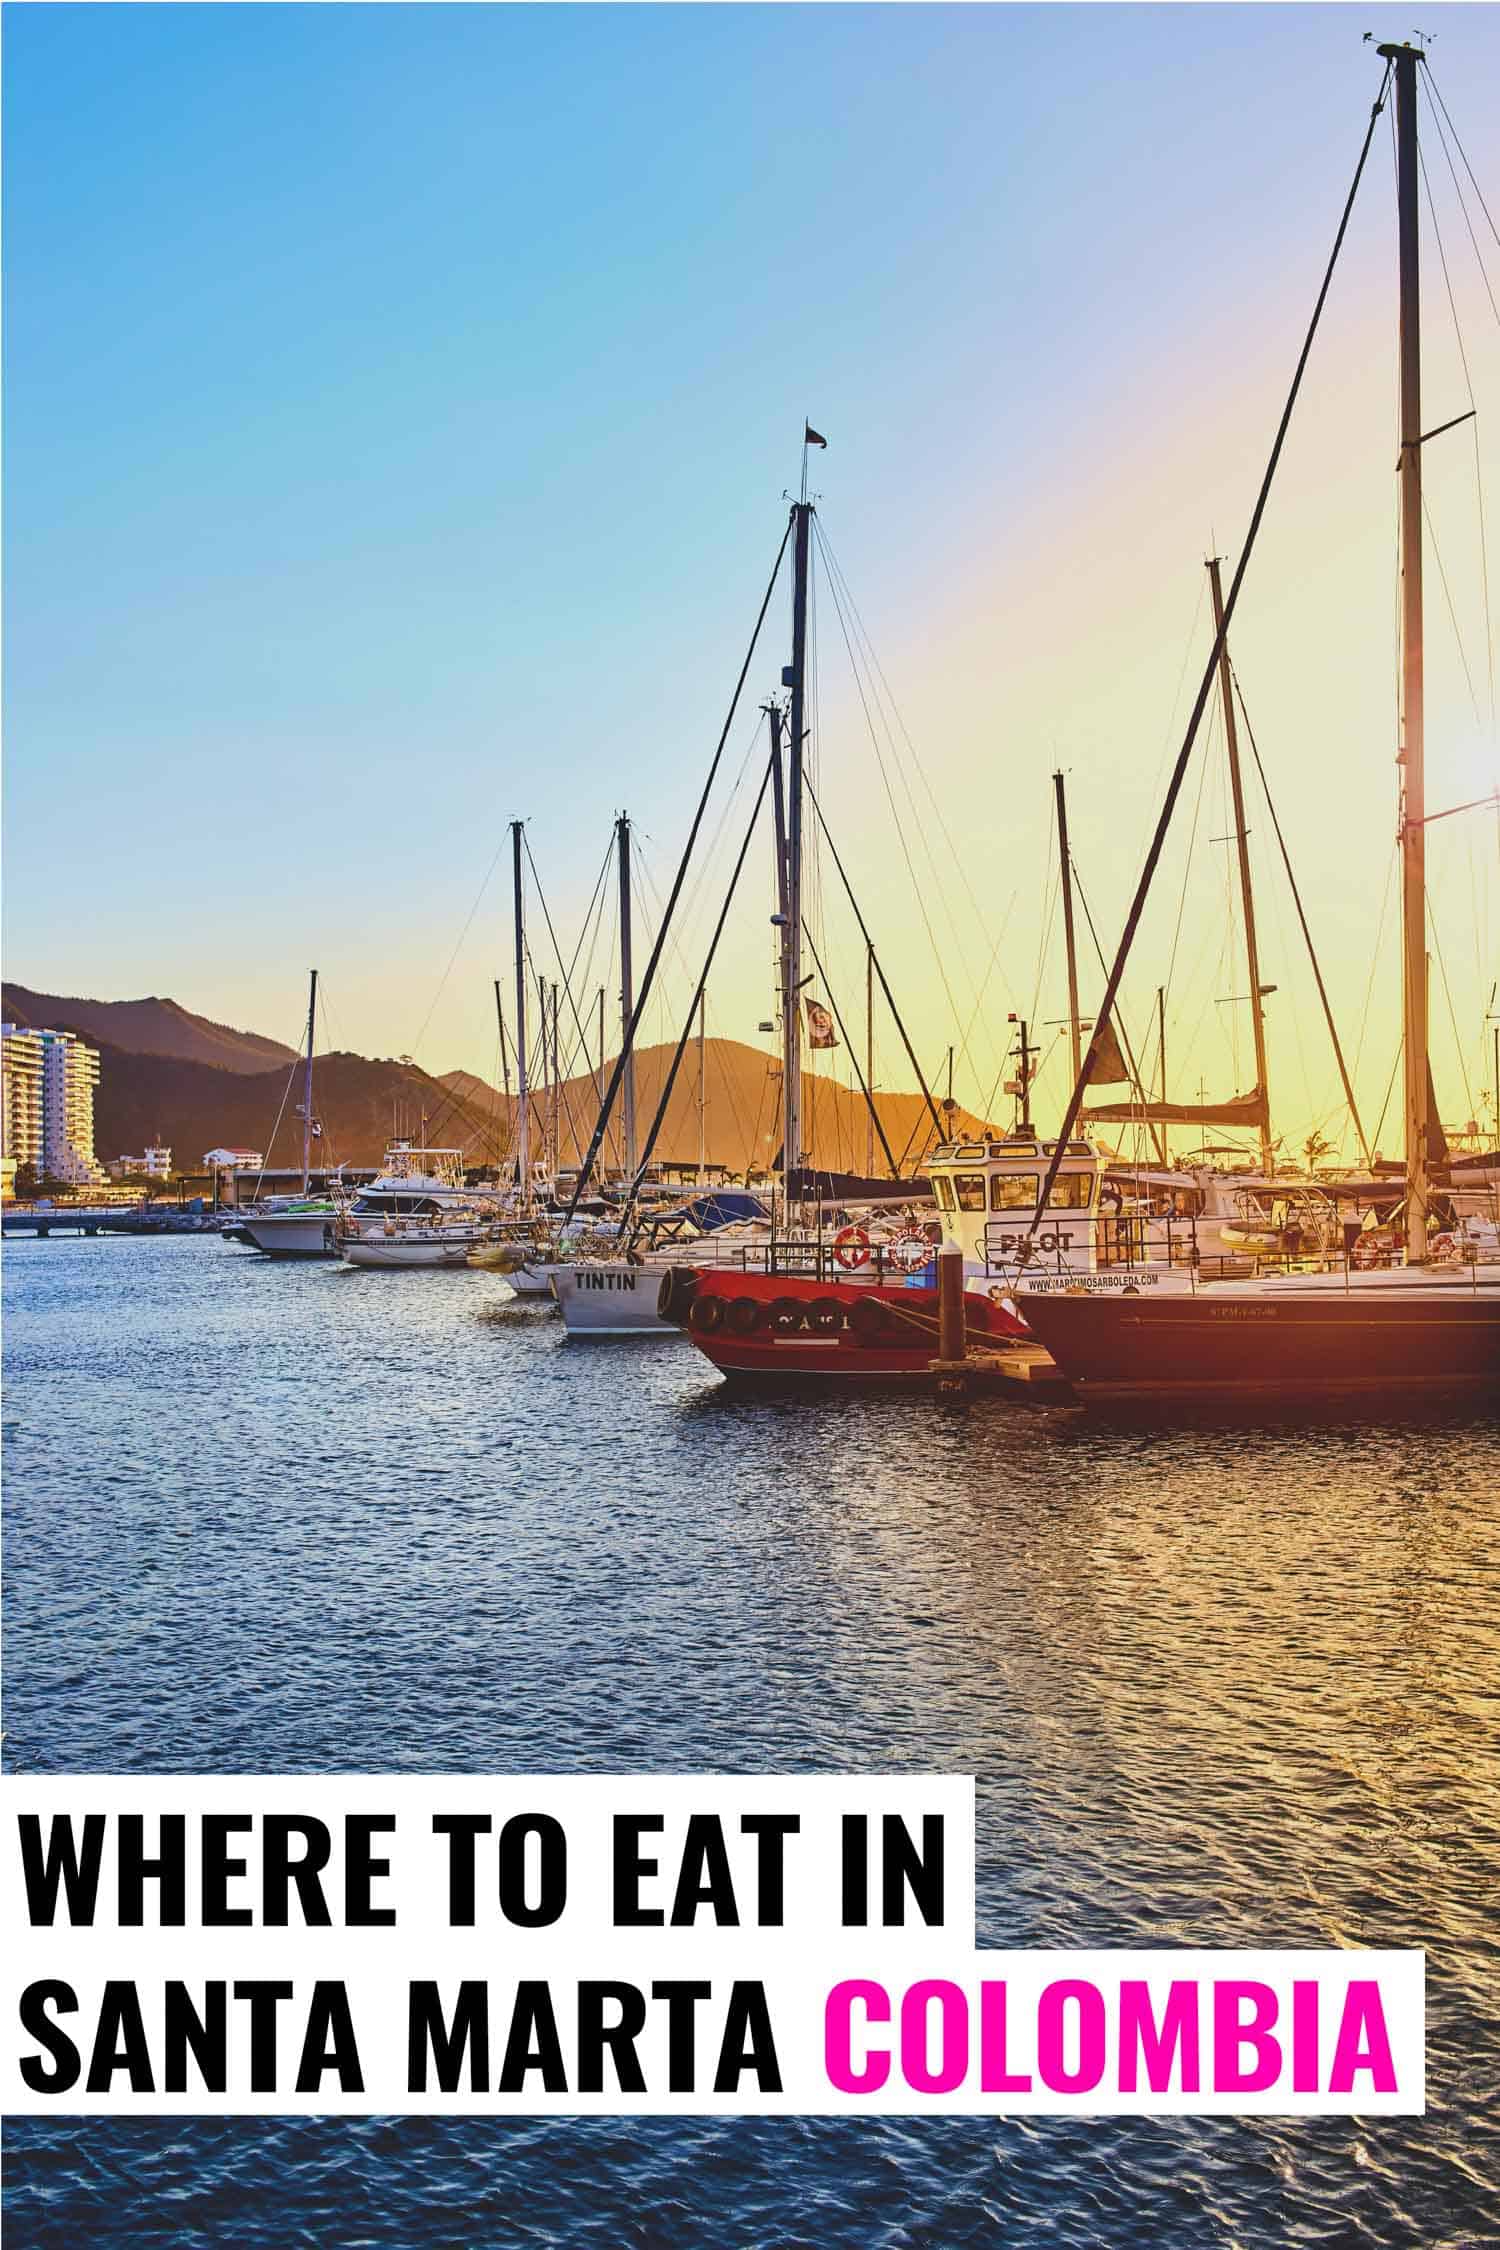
(523, 1119)
(1075, 1039)
(870, 1060)
(1247, 893)
(702, 1086)
(627, 997)
(307, 1101)
(556, 1094)
(795, 678)
(1413, 781)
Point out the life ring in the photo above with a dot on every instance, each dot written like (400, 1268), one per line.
(851, 1247)
(1444, 1245)
(706, 1314)
(910, 1251)
(1367, 1253)
(740, 1314)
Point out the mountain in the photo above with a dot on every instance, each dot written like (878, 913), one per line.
(742, 1111)
(146, 1027)
(196, 1106)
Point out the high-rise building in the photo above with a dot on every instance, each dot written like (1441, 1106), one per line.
(48, 1103)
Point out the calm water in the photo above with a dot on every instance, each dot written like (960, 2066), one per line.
(1219, 1687)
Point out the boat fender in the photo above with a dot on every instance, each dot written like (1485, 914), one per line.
(786, 1316)
(706, 1314)
(741, 1314)
(825, 1316)
(867, 1319)
(679, 1287)
(851, 1247)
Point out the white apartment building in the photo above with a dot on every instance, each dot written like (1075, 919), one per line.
(48, 1102)
(155, 1163)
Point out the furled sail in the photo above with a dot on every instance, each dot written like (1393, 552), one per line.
(1240, 1109)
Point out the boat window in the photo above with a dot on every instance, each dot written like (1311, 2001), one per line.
(943, 1190)
(1014, 1191)
(1072, 1191)
(969, 1187)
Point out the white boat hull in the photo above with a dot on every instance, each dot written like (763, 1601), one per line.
(611, 1298)
(392, 1251)
(293, 1234)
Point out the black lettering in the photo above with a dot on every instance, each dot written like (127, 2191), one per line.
(447, 2044)
(281, 1873)
(552, 1854)
(855, 1866)
(747, 2043)
(594, 2035)
(37, 1998)
(704, 1878)
(770, 1831)
(219, 1870)
(120, 2041)
(329, 2042)
(903, 1868)
(682, 1996)
(532, 2043)
(264, 1998)
(461, 1829)
(205, 2036)
(629, 1867)
(361, 1870)
(169, 1869)
(61, 1863)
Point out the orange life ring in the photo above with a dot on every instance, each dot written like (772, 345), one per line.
(1367, 1253)
(851, 1247)
(910, 1251)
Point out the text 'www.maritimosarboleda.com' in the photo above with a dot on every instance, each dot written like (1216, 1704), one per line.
(670, 1945)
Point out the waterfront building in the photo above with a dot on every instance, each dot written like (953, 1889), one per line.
(50, 1078)
(155, 1163)
(232, 1160)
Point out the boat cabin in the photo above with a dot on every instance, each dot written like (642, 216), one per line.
(988, 1194)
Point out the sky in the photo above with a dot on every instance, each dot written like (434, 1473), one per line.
(400, 407)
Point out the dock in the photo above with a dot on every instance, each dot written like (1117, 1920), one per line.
(1019, 1370)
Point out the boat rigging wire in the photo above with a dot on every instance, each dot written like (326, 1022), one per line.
(1174, 787)
(849, 1050)
(586, 1168)
(1312, 951)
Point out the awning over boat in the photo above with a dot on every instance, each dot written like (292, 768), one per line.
(725, 1207)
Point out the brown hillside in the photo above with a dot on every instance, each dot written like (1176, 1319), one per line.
(147, 1027)
(742, 1111)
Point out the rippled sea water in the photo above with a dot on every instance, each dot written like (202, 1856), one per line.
(1219, 1686)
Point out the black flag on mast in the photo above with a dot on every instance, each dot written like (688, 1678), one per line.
(811, 437)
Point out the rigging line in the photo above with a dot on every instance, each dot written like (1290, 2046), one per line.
(875, 959)
(692, 1015)
(1463, 358)
(1205, 687)
(1187, 864)
(586, 1168)
(1437, 947)
(583, 1045)
(1437, 556)
(850, 1053)
(836, 568)
(1458, 144)
(1389, 1085)
(1158, 1134)
(458, 948)
(1312, 954)
(916, 884)
(861, 653)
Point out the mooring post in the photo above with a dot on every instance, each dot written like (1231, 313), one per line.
(950, 1266)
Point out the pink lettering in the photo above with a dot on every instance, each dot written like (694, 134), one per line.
(838, 2036)
(953, 2024)
(1158, 2046)
(1051, 2057)
(1233, 2033)
(994, 2076)
(1363, 2043)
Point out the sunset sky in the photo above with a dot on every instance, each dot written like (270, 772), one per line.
(399, 407)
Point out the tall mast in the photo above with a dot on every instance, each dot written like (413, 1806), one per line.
(783, 921)
(1075, 1040)
(307, 1101)
(556, 1093)
(702, 1087)
(627, 997)
(870, 1059)
(523, 1118)
(795, 678)
(1247, 894)
(1410, 757)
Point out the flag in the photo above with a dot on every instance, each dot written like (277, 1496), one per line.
(317, 1129)
(820, 1031)
(1109, 1064)
(811, 437)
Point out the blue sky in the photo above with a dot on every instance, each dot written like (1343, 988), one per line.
(399, 402)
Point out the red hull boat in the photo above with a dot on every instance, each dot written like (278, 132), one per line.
(785, 1328)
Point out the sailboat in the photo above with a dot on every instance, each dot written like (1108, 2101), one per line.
(301, 1226)
(1420, 1330)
